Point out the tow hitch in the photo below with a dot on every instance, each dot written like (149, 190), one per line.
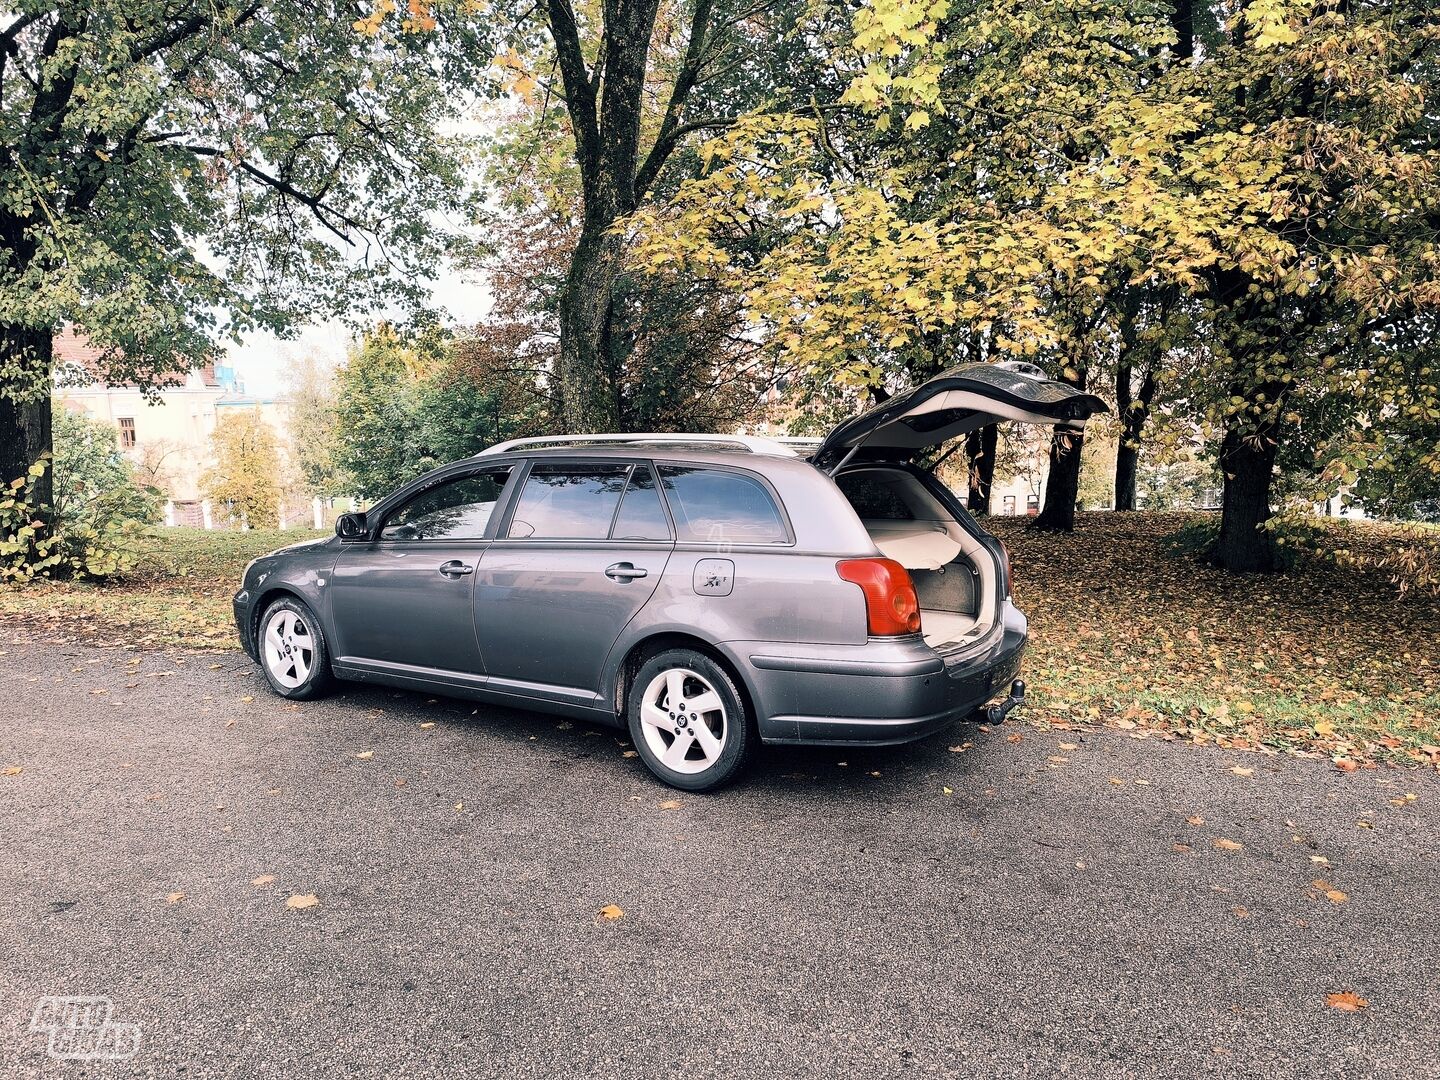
(996, 714)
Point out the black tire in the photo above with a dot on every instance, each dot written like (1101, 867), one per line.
(305, 638)
(732, 730)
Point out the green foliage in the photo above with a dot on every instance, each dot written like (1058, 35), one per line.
(245, 477)
(169, 171)
(311, 420)
(100, 511)
(405, 408)
(1018, 172)
(95, 483)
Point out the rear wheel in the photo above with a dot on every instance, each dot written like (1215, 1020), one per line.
(688, 720)
(293, 652)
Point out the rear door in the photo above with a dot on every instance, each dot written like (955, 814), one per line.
(952, 404)
(581, 552)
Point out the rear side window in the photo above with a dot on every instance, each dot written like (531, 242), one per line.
(641, 516)
(568, 502)
(716, 506)
(874, 496)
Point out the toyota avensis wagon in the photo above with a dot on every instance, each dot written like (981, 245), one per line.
(707, 592)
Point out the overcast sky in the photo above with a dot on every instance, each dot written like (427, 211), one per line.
(261, 361)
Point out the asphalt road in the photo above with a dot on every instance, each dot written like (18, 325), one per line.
(836, 914)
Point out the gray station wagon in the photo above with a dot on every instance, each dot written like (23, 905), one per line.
(707, 592)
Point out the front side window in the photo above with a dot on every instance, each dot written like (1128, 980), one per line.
(717, 506)
(458, 509)
(568, 502)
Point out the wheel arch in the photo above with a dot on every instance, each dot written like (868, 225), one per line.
(652, 644)
(268, 597)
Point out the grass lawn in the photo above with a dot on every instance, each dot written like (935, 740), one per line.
(178, 593)
(1126, 631)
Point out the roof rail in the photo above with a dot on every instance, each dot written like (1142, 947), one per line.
(754, 444)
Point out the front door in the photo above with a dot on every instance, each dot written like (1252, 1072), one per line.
(401, 602)
(581, 553)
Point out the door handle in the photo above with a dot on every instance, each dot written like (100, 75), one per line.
(624, 571)
(455, 568)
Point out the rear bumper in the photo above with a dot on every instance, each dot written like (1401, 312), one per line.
(878, 694)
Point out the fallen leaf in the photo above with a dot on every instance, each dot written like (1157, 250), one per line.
(1228, 845)
(611, 912)
(875, 773)
(1196, 820)
(1058, 760)
(1069, 746)
(1143, 783)
(1346, 1001)
(298, 901)
(1363, 825)
(631, 753)
(1238, 771)
(175, 898)
(1324, 727)
(459, 806)
(1180, 847)
(264, 879)
(1335, 896)
(247, 699)
(1240, 912)
(946, 791)
(12, 770)
(1014, 738)
(1345, 764)
(427, 725)
(1321, 859)
(365, 755)
(1117, 781)
(670, 804)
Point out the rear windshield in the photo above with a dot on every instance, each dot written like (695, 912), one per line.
(716, 506)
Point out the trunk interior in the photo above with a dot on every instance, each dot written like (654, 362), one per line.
(955, 575)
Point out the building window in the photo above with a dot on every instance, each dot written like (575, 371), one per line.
(1009, 505)
(127, 433)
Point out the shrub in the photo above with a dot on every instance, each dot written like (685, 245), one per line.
(99, 510)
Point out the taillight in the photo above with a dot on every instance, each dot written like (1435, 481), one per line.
(891, 606)
(1005, 562)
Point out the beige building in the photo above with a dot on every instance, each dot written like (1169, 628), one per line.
(167, 436)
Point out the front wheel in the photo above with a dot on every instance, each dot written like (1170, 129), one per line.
(688, 720)
(293, 653)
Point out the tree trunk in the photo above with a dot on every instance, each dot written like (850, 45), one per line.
(587, 390)
(1127, 461)
(980, 449)
(25, 405)
(1062, 485)
(1133, 411)
(1247, 463)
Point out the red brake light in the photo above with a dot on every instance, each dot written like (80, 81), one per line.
(891, 606)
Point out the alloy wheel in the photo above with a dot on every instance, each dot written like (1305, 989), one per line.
(683, 721)
(289, 648)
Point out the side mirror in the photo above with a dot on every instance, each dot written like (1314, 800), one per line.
(351, 527)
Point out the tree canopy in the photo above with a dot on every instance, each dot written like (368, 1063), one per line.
(171, 173)
(1017, 172)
